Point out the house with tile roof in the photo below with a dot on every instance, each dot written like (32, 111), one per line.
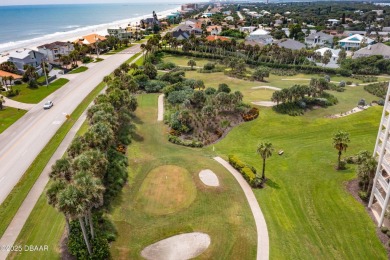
(4, 77)
(53, 51)
(375, 49)
(355, 41)
(211, 38)
(90, 39)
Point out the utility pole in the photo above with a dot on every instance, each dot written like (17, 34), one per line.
(44, 71)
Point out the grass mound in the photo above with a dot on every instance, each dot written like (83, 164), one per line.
(166, 189)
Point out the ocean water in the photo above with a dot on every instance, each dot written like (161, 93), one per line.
(27, 25)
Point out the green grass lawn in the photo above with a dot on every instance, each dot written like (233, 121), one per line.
(309, 212)
(8, 116)
(33, 96)
(222, 212)
(117, 50)
(78, 70)
(183, 60)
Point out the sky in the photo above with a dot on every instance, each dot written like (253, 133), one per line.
(40, 2)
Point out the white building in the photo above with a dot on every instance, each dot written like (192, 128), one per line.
(355, 41)
(333, 60)
(248, 29)
(260, 35)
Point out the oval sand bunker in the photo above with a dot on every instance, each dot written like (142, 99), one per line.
(209, 178)
(180, 247)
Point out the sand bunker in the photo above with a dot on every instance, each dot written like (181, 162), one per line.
(209, 178)
(265, 103)
(180, 247)
(267, 87)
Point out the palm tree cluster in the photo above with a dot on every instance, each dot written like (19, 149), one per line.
(7, 80)
(94, 170)
(203, 115)
(9, 67)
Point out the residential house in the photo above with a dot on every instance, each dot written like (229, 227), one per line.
(4, 75)
(253, 43)
(318, 39)
(214, 29)
(333, 60)
(378, 12)
(211, 38)
(193, 22)
(148, 23)
(53, 51)
(120, 33)
(375, 49)
(226, 12)
(189, 29)
(90, 39)
(229, 18)
(332, 22)
(260, 35)
(290, 44)
(355, 41)
(207, 14)
(180, 35)
(248, 29)
(26, 57)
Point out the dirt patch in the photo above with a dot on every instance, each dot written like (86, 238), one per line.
(180, 247)
(64, 252)
(267, 87)
(353, 188)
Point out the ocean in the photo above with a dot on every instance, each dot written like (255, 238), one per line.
(23, 26)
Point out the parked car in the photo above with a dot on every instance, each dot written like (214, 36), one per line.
(48, 105)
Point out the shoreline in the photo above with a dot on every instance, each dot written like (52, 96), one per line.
(74, 34)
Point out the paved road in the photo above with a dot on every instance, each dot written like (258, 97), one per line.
(261, 225)
(23, 141)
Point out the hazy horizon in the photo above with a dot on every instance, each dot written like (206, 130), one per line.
(63, 2)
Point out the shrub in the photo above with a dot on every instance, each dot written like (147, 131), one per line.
(384, 229)
(381, 102)
(154, 86)
(247, 171)
(252, 114)
(179, 141)
(291, 108)
(86, 59)
(166, 66)
(363, 195)
(378, 89)
(209, 66)
(388, 233)
(223, 88)
(210, 91)
(12, 92)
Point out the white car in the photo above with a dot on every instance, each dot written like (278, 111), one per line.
(48, 105)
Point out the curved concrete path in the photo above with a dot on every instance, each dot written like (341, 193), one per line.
(15, 104)
(261, 226)
(160, 114)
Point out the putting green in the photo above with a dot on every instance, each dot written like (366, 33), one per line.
(167, 189)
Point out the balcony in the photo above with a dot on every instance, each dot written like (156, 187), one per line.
(379, 197)
(383, 182)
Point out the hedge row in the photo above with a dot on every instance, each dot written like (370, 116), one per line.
(247, 171)
(300, 68)
(179, 141)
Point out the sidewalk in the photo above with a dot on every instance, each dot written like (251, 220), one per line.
(15, 104)
(261, 226)
(160, 115)
(20, 218)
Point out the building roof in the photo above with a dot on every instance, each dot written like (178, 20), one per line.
(356, 38)
(177, 34)
(20, 54)
(8, 74)
(253, 43)
(53, 45)
(260, 32)
(375, 49)
(291, 44)
(335, 53)
(319, 35)
(90, 39)
(216, 37)
(213, 27)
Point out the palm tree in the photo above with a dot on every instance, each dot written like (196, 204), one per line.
(340, 142)
(191, 63)
(53, 199)
(264, 149)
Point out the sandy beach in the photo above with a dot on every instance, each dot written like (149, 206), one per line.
(74, 34)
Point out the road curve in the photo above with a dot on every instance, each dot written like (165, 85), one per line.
(21, 143)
